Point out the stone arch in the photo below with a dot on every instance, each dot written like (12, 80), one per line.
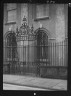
(42, 29)
(10, 49)
(7, 33)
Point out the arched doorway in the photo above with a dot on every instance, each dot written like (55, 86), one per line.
(42, 46)
(42, 49)
(11, 51)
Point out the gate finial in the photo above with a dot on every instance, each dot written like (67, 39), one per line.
(24, 21)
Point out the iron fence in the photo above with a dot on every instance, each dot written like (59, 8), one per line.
(29, 59)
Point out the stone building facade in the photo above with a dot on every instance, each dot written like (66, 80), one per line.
(51, 19)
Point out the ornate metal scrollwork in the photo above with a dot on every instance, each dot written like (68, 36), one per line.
(25, 30)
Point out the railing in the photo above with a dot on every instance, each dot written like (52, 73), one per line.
(27, 59)
(58, 53)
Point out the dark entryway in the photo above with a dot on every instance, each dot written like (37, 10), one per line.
(42, 46)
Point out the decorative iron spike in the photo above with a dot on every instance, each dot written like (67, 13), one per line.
(32, 28)
(17, 30)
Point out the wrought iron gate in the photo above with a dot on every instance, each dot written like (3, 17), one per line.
(26, 40)
(32, 49)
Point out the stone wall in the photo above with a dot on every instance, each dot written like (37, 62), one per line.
(54, 72)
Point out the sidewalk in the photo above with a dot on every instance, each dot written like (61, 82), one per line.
(53, 84)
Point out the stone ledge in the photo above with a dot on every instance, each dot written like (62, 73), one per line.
(54, 72)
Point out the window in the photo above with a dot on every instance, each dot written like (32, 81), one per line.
(12, 16)
(11, 6)
(42, 11)
(11, 12)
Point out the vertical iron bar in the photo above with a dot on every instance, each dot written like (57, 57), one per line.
(55, 53)
(51, 54)
(65, 52)
(62, 53)
(23, 57)
(28, 53)
(58, 54)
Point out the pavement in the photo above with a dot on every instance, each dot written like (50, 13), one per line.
(18, 87)
(46, 83)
